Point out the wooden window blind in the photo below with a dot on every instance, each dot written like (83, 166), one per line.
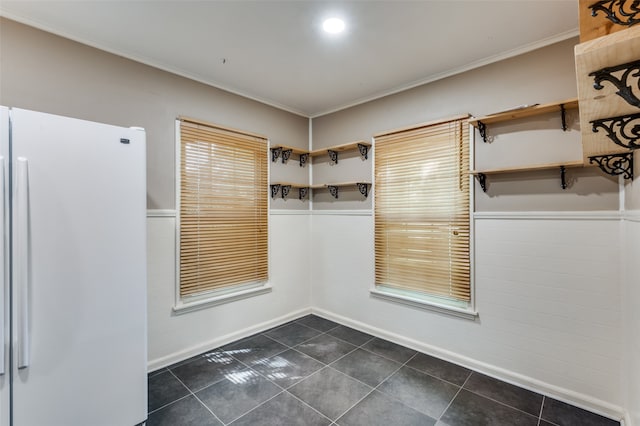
(223, 208)
(422, 210)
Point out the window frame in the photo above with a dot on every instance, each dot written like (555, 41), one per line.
(417, 299)
(227, 294)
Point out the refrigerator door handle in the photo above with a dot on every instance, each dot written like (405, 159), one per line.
(3, 266)
(22, 252)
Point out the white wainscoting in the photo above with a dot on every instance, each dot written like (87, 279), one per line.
(175, 337)
(631, 317)
(547, 293)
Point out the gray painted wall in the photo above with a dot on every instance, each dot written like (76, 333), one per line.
(541, 76)
(43, 72)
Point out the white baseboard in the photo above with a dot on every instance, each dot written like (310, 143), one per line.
(626, 420)
(167, 360)
(574, 398)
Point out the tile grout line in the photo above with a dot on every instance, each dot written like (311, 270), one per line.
(374, 388)
(288, 347)
(497, 401)
(541, 408)
(196, 397)
(283, 389)
(454, 397)
(170, 403)
(440, 378)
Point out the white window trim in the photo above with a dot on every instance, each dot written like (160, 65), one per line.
(426, 302)
(217, 297)
(432, 303)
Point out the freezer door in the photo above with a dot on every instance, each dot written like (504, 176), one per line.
(79, 272)
(4, 266)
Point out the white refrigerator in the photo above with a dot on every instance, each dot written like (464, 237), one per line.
(73, 263)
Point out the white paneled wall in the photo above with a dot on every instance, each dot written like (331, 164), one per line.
(547, 293)
(175, 337)
(631, 312)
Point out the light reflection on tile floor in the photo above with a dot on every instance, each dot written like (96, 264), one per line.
(313, 371)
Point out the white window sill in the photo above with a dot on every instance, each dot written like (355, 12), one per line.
(218, 299)
(466, 313)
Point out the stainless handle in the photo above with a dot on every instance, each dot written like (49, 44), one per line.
(22, 256)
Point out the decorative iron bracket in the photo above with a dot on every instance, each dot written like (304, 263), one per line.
(364, 150)
(275, 153)
(303, 159)
(615, 164)
(286, 154)
(333, 190)
(630, 69)
(563, 114)
(563, 177)
(482, 128)
(621, 130)
(482, 180)
(302, 192)
(333, 156)
(284, 191)
(363, 188)
(274, 190)
(626, 17)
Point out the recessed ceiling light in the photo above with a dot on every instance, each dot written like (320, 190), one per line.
(333, 25)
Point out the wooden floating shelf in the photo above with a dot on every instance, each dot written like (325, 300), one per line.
(532, 168)
(286, 151)
(291, 184)
(294, 150)
(525, 111)
(339, 148)
(285, 187)
(325, 185)
(482, 174)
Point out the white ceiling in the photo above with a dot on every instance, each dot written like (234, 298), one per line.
(276, 51)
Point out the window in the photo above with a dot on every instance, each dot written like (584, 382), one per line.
(422, 224)
(222, 204)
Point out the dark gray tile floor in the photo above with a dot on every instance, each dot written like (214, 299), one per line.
(313, 371)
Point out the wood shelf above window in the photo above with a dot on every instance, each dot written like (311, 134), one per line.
(332, 151)
(530, 168)
(482, 174)
(362, 186)
(285, 187)
(303, 189)
(522, 112)
(284, 152)
(525, 111)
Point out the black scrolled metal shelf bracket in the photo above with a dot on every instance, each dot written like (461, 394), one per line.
(482, 128)
(333, 155)
(363, 188)
(625, 91)
(274, 190)
(563, 177)
(364, 150)
(482, 180)
(333, 190)
(284, 191)
(286, 154)
(622, 16)
(621, 130)
(303, 159)
(302, 192)
(275, 153)
(563, 114)
(615, 164)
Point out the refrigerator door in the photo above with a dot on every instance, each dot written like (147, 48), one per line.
(79, 272)
(4, 266)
